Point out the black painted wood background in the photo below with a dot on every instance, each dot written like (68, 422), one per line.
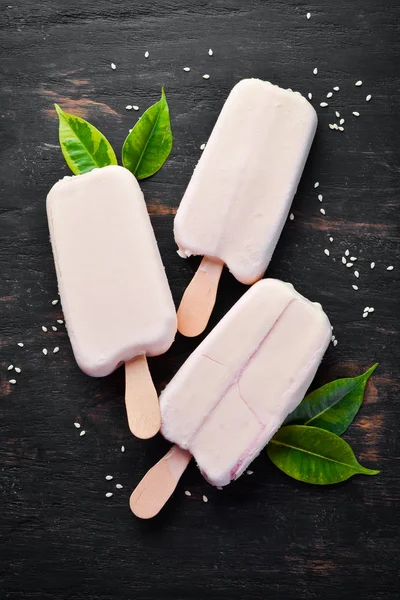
(265, 536)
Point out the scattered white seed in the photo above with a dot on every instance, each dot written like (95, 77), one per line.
(341, 121)
(355, 287)
(329, 95)
(10, 367)
(135, 107)
(56, 349)
(206, 76)
(333, 338)
(335, 126)
(122, 448)
(308, 15)
(129, 107)
(337, 113)
(331, 239)
(335, 342)
(320, 197)
(13, 381)
(54, 302)
(113, 66)
(54, 328)
(202, 146)
(371, 309)
(17, 370)
(341, 128)
(365, 315)
(347, 252)
(390, 268)
(205, 499)
(20, 344)
(368, 98)
(358, 83)
(315, 71)
(44, 351)
(356, 114)
(353, 258)
(248, 472)
(344, 261)
(323, 104)
(187, 69)
(147, 54)
(356, 274)
(44, 328)
(187, 493)
(349, 264)
(331, 126)
(372, 265)
(327, 251)
(309, 95)
(109, 477)
(366, 309)
(336, 88)
(291, 216)
(60, 321)
(109, 494)
(316, 184)
(77, 425)
(83, 432)
(322, 211)
(210, 52)
(119, 486)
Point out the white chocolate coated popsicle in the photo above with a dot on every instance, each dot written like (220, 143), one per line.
(237, 387)
(240, 193)
(114, 292)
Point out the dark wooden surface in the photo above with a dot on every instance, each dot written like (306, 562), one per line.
(265, 536)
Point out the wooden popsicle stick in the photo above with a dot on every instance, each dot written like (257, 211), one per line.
(199, 298)
(156, 487)
(141, 399)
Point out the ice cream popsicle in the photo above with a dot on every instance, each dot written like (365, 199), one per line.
(114, 292)
(236, 389)
(240, 193)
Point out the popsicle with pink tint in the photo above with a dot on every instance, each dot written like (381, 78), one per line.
(238, 386)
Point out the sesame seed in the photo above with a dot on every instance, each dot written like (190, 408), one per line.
(315, 71)
(372, 265)
(316, 184)
(13, 381)
(248, 472)
(335, 126)
(331, 239)
(336, 88)
(349, 264)
(323, 104)
(371, 309)
(390, 268)
(347, 252)
(206, 76)
(365, 315)
(187, 69)
(109, 494)
(202, 146)
(147, 54)
(17, 370)
(291, 216)
(341, 121)
(113, 66)
(187, 493)
(109, 477)
(54, 302)
(329, 95)
(341, 128)
(356, 114)
(77, 425)
(135, 107)
(366, 309)
(122, 448)
(332, 338)
(205, 499)
(322, 211)
(10, 367)
(358, 83)
(60, 321)
(353, 258)
(83, 432)
(337, 113)
(44, 328)
(20, 344)
(335, 342)
(44, 351)
(320, 197)
(355, 287)
(308, 15)
(368, 98)
(344, 261)
(54, 328)
(309, 95)
(56, 349)
(129, 107)
(210, 52)
(119, 486)
(356, 274)
(331, 126)
(327, 251)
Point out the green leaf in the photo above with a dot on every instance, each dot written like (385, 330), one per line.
(148, 145)
(314, 455)
(84, 147)
(334, 405)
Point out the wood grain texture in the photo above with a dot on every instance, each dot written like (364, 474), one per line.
(266, 536)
